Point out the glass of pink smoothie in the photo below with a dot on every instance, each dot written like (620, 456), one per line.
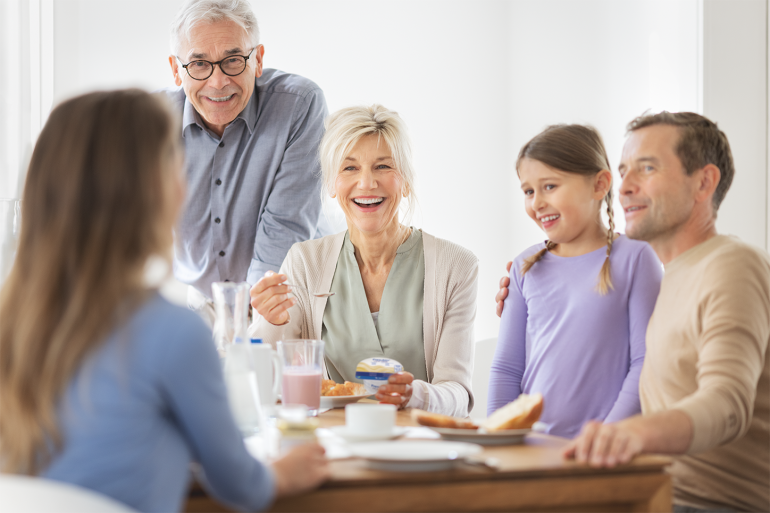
(302, 363)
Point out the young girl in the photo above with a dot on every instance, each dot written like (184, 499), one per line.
(103, 383)
(574, 321)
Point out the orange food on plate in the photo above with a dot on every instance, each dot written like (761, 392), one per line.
(331, 389)
(327, 385)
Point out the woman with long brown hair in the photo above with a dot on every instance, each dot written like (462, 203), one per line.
(575, 319)
(103, 383)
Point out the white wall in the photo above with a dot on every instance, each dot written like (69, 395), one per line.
(474, 80)
(735, 97)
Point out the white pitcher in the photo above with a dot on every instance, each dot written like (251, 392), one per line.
(268, 368)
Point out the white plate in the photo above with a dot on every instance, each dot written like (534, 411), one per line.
(505, 437)
(414, 456)
(342, 431)
(339, 401)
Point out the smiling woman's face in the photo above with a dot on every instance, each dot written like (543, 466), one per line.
(369, 188)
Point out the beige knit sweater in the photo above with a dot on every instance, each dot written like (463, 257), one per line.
(707, 356)
(449, 310)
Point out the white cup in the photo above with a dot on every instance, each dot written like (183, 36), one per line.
(370, 419)
(264, 360)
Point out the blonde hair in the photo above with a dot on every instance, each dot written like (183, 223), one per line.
(195, 12)
(572, 149)
(95, 207)
(345, 127)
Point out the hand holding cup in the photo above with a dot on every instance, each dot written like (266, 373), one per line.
(397, 391)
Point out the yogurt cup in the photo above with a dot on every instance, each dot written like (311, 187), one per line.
(376, 371)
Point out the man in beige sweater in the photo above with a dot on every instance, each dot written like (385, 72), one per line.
(705, 383)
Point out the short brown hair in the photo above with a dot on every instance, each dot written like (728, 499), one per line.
(700, 143)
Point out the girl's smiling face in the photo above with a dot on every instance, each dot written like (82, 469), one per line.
(565, 205)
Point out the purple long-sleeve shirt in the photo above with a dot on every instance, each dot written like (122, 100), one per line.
(581, 350)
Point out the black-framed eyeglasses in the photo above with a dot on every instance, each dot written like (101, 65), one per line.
(231, 66)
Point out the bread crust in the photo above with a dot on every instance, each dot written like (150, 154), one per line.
(524, 412)
(429, 419)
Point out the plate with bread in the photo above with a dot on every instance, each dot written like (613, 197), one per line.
(506, 426)
(337, 395)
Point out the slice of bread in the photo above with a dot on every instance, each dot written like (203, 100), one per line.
(425, 418)
(519, 414)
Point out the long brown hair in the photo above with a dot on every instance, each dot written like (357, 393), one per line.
(95, 207)
(572, 149)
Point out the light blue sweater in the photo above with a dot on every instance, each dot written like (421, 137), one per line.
(146, 404)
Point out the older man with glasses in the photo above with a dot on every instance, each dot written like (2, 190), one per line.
(251, 137)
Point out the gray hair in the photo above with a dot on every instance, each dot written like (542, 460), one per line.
(345, 127)
(212, 11)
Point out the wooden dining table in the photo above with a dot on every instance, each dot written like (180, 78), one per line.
(532, 476)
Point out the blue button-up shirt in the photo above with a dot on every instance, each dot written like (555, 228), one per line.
(255, 191)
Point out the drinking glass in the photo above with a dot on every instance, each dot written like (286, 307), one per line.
(302, 363)
(231, 305)
(10, 224)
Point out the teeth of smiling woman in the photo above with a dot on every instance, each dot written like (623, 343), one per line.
(549, 218)
(368, 201)
(222, 99)
(633, 209)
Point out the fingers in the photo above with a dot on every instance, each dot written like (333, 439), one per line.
(269, 296)
(633, 446)
(401, 377)
(601, 447)
(398, 394)
(569, 450)
(505, 281)
(270, 279)
(508, 266)
(617, 449)
(604, 445)
(393, 389)
(584, 442)
(397, 399)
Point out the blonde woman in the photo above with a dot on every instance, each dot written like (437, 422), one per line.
(399, 292)
(104, 384)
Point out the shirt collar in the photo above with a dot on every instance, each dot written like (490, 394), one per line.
(249, 115)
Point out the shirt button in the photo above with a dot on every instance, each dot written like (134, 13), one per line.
(221, 253)
(217, 220)
(222, 145)
(218, 182)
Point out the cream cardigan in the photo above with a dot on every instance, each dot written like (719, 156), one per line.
(449, 310)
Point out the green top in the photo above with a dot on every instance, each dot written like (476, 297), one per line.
(349, 330)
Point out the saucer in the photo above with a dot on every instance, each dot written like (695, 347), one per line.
(342, 432)
(414, 455)
(339, 401)
(504, 437)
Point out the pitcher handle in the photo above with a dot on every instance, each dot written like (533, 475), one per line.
(277, 373)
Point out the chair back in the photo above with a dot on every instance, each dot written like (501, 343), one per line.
(24, 494)
(485, 352)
